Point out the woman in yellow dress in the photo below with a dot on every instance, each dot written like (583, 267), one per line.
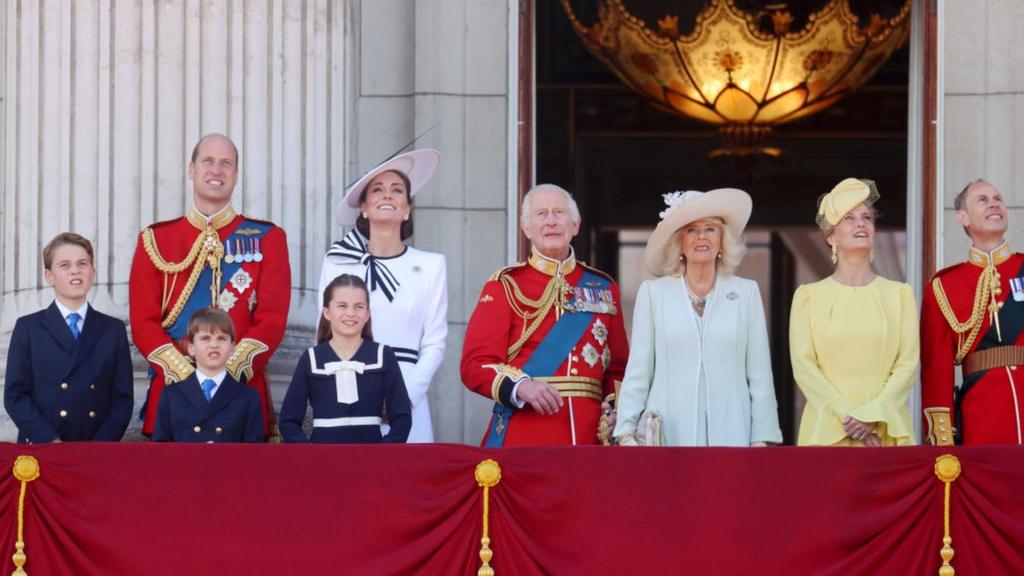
(853, 336)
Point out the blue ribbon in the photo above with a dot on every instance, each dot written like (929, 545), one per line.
(547, 357)
(200, 297)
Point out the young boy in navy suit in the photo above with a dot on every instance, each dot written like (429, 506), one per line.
(69, 370)
(209, 405)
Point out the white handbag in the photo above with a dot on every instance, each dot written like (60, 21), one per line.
(648, 429)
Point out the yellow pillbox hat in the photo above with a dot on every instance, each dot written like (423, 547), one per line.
(844, 197)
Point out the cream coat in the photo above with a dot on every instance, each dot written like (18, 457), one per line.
(664, 365)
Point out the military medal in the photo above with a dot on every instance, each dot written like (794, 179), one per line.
(248, 251)
(258, 256)
(229, 257)
(1017, 285)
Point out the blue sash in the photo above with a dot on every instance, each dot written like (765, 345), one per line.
(200, 297)
(547, 357)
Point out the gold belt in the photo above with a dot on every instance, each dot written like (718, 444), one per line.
(575, 386)
(995, 357)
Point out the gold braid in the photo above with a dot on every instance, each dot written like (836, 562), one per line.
(984, 301)
(206, 250)
(553, 294)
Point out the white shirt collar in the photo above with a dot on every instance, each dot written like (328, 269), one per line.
(217, 379)
(64, 311)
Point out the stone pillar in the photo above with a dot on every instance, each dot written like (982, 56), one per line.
(440, 66)
(102, 103)
(982, 113)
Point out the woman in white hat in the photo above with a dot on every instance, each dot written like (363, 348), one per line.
(408, 287)
(853, 336)
(699, 355)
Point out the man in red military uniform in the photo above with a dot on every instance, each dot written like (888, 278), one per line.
(973, 316)
(546, 341)
(210, 257)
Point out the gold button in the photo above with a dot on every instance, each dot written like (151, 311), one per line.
(63, 385)
(63, 413)
(575, 358)
(219, 430)
(197, 429)
(573, 371)
(92, 414)
(92, 386)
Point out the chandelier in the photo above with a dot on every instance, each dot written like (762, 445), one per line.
(732, 73)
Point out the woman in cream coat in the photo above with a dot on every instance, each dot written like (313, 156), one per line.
(699, 354)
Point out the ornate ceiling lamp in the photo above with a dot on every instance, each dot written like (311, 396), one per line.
(731, 73)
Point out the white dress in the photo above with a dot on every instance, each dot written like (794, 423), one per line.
(408, 312)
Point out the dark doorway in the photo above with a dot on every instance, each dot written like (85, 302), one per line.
(618, 155)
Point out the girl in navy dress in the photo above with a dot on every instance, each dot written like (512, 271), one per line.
(347, 378)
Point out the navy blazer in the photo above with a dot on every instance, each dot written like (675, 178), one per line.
(232, 415)
(57, 387)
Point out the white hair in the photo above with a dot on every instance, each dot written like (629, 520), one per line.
(574, 209)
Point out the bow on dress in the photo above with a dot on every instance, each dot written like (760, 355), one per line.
(345, 379)
(353, 246)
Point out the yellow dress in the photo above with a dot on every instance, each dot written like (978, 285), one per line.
(855, 351)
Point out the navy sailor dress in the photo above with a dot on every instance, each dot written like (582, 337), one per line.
(347, 397)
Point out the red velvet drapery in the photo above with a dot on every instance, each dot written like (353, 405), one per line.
(272, 509)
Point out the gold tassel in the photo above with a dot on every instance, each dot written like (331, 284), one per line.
(488, 475)
(26, 469)
(947, 468)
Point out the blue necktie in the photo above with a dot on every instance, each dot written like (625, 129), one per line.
(208, 386)
(73, 319)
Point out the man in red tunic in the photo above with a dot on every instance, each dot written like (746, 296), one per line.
(973, 316)
(210, 257)
(546, 341)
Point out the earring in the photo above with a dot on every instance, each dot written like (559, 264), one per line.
(835, 255)
(364, 214)
(406, 218)
(719, 255)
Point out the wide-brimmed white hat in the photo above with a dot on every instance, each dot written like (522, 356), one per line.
(417, 165)
(730, 204)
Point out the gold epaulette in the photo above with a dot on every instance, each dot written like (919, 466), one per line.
(501, 271)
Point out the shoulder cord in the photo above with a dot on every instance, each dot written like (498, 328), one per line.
(984, 300)
(206, 251)
(553, 293)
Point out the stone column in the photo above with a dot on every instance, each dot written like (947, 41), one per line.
(102, 103)
(982, 113)
(440, 66)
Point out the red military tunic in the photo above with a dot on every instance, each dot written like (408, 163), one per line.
(491, 364)
(256, 296)
(990, 404)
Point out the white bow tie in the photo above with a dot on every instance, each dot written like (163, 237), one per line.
(345, 379)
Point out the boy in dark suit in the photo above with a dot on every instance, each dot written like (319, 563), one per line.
(69, 370)
(209, 405)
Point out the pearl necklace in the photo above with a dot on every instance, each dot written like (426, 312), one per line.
(699, 302)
